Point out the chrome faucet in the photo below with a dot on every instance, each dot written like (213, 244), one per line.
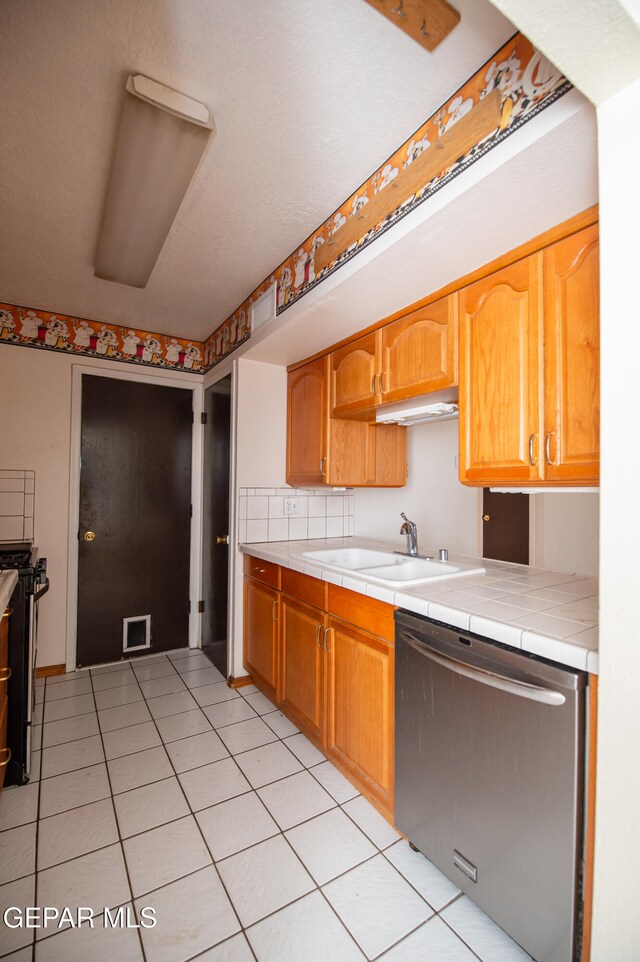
(411, 530)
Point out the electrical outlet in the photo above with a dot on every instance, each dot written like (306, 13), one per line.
(290, 505)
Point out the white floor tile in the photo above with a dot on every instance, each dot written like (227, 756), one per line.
(235, 949)
(112, 697)
(179, 653)
(66, 689)
(195, 914)
(22, 955)
(72, 755)
(76, 832)
(330, 845)
(38, 715)
(67, 791)
(203, 676)
(430, 882)
(123, 716)
(20, 894)
(112, 679)
(142, 768)
(264, 878)
(17, 852)
(307, 930)
(162, 686)
(268, 763)
(214, 694)
(171, 704)
(193, 662)
(36, 764)
(432, 942)
(246, 735)
(158, 669)
(247, 690)
(213, 783)
(481, 934)
(96, 880)
(305, 751)
(149, 806)
(229, 712)
(174, 727)
(196, 751)
(260, 703)
(165, 854)
(334, 781)
(236, 824)
(69, 729)
(280, 724)
(111, 666)
(125, 741)
(371, 822)
(68, 707)
(295, 799)
(18, 805)
(376, 904)
(97, 944)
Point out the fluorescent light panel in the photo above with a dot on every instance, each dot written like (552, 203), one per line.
(162, 137)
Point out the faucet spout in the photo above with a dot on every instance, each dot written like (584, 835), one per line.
(410, 529)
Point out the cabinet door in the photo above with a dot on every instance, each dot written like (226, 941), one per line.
(302, 659)
(354, 381)
(261, 605)
(419, 351)
(500, 372)
(572, 358)
(360, 701)
(306, 424)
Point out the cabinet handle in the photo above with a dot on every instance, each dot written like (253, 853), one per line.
(274, 617)
(7, 613)
(373, 384)
(318, 642)
(380, 382)
(5, 674)
(260, 571)
(327, 632)
(5, 757)
(322, 466)
(531, 440)
(547, 447)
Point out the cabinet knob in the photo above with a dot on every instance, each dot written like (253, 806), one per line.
(486, 517)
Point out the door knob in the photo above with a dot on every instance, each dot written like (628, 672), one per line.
(89, 535)
(222, 539)
(486, 517)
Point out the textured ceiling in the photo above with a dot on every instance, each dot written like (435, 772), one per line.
(308, 96)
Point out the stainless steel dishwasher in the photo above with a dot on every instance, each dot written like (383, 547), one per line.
(489, 777)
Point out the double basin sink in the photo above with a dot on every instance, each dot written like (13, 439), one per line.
(388, 568)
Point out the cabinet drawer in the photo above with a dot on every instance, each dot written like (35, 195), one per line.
(366, 613)
(308, 589)
(264, 571)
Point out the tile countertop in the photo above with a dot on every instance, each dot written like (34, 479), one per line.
(549, 613)
(8, 581)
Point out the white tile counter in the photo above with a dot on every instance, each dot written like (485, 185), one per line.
(8, 580)
(549, 613)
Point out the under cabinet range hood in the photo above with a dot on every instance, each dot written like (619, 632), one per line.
(440, 406)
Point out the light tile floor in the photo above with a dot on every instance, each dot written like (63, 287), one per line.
(163, 788)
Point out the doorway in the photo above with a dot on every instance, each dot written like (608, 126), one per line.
(215, 540)
(505, 527)
(134, 519)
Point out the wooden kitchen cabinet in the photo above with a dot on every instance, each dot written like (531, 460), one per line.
(360, 707)
(261, 647)
(334, 451)
(5, 752)
(302, 665)
(529, 369)
(354, 388)
(572, 359)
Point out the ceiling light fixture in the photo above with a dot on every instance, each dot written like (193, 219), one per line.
(162, 137)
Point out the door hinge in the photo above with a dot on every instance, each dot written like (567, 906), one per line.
(203, 417)
(200, 607)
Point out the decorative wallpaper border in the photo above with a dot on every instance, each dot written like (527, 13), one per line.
(26, 327)
(527, 82)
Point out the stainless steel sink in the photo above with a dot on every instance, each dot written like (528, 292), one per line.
(388, 568)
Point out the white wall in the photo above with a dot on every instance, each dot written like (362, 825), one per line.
(566, 532)
(35, 401)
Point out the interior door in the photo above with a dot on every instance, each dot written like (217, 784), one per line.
(135, 519)
(215, 548)
(505, 527)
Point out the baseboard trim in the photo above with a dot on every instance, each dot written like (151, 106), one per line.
(240, 681)
(47, 670)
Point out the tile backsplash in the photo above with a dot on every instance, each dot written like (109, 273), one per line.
(17, 504)
(262, 514)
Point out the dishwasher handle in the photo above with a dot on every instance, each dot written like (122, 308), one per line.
(521, 688)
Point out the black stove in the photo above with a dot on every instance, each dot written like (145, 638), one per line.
(23, 631)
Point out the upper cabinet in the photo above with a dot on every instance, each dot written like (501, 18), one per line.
(415, 354)
(306, 424)
(529, 362)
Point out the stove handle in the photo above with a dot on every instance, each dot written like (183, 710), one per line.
(37, 595)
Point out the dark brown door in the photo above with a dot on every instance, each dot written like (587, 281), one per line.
(135, 498)
(215, 550)
(505, 527)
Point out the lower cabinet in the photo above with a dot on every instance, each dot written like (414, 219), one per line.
(335, 678)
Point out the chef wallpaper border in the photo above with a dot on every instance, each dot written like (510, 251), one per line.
(27, 327)
(528, 83)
